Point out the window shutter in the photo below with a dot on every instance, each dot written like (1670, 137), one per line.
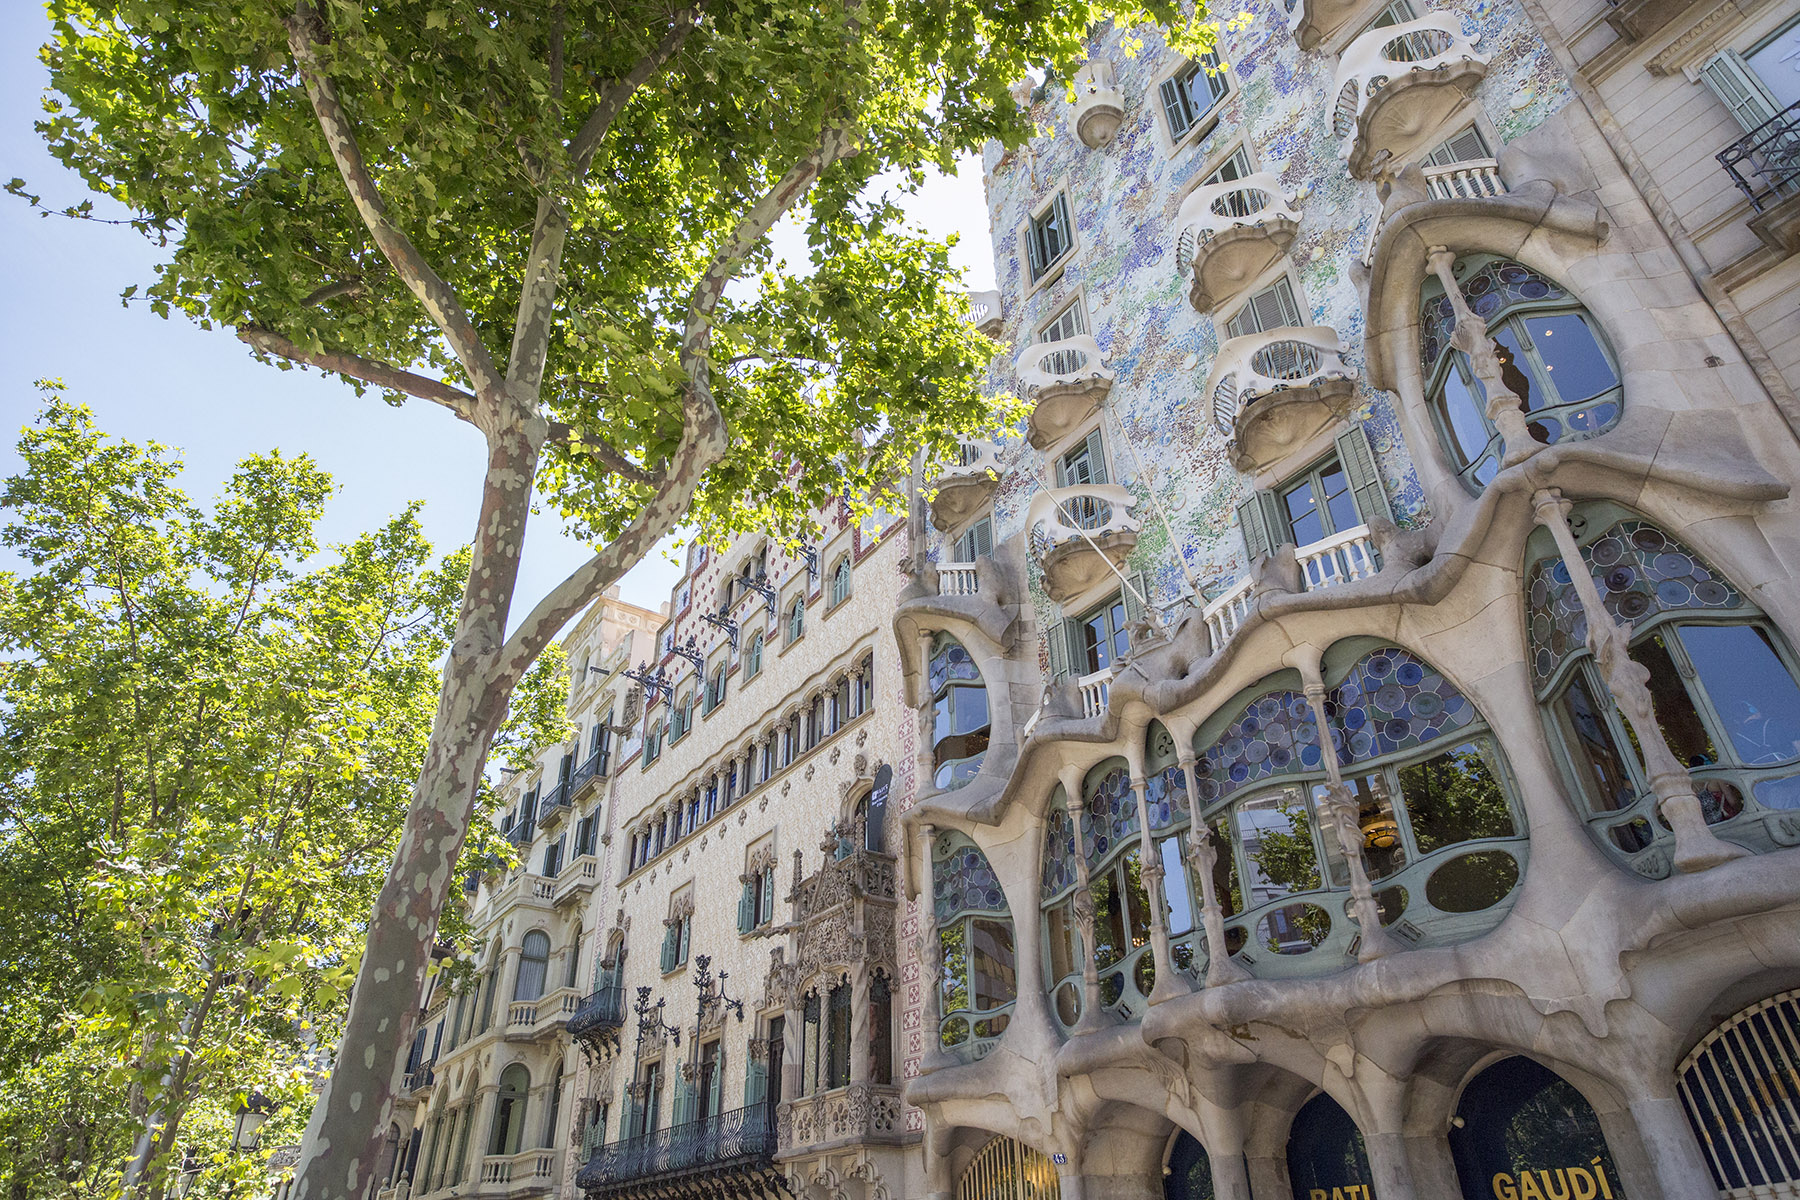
(1730, 78)
(671, 947)
(1136, 594)
(756, 1082)
(1466, 146)
(746, 908)
(1275, 307)
(1065, 228)
(768, 894)
(684, 1101)
(1058, 642)
(718, 1084)
(1365, 480)
(983, 538)
(1096, 449)
(1253, 519)
(1174, 108)
(1075, 633)
(1242, 323)
(1033, 250)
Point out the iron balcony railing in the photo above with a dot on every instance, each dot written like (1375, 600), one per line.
(596, 764)
(1765, 163)
(742, 1139)
(557, 797)
(599, 1011)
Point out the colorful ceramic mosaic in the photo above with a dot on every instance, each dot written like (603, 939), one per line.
(1111, 817)
(951, 663)
(1639, 571)
(1392, 701)
(1060, 872)
(1274, 735)
(962, 881)
(1166, 799)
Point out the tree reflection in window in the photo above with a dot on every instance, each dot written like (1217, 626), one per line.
(1552, 356)
(960, 719)
(977, 979)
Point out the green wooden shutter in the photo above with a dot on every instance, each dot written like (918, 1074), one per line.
(756, 1082)
(684, 1101)
(1730, 78)
(982, 539)
(1175, 107)
(1259, 532)
(1058, 642)
(670, 948)
(747, 908)
(1136, 594)
(768, 893)
(1096, 458)
(1365, 480)
(1033, 249)
(718, 1084)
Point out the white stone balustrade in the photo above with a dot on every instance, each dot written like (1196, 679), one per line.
(1272, 391)
(1473, 180)
(1225, 612)
(1231, 232)
(1395, 84)
(958, 579)
(1081, 534)
(1343, 557)
(1094, 689)
(533, 1166)
(578, 877)
(1099, 106)
(985, 311)
(1064, 380)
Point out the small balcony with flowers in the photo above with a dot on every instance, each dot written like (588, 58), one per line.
(1065, 381)
(1081, 536)
(1274, 391)
(964, 484)
(1231, 232)
(1396, 85)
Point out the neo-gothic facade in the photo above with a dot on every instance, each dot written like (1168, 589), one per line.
(1345, 745)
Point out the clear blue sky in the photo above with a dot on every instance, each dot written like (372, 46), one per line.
(168, 380)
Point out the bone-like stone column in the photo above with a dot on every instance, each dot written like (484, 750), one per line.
(1083, 905)
(1470, 335)
(1697, 847)
(1338, 810)
(1168, 983)
(1220, 968)
(931, 954)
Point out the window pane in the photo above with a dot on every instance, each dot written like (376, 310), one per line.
(1304, 521)
(1383, 851)
(1750, 689)
(1175, 888)
(1338, 500)
(970, 709)
(1109, 921)
(1061, 924)
(1681, 725)
(953, 945)
(1454, 797)
(1097, 643)
(1462, 414)
(1512, 370)
(1121, 641)
(1598, 763)
(1276, 834)
(993, 973)
(1137, 899)
(1578, 367)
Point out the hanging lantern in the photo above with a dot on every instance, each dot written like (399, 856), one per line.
(1379, 831)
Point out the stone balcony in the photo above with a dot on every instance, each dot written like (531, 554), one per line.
(732, 1154)
(1231, 233)
(1396, 85)
(985, 311)
(1312, 21)
(1342, 557)
(1273, 391)
(529, 1168)
(1094, 689)
(1065, 381)
(958, 579)
(577, 879)
(1081, 535)
(964, 485)
(860, 1114)
(1099, 105)
(543, 1018)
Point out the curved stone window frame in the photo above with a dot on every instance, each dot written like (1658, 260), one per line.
(1298, 930)
(1529, 294)
(971, 913)
(954, 678)
(1756, 805)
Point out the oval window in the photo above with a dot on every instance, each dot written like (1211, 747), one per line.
(1293, 928)
(1068, 1003)
(1472, 882)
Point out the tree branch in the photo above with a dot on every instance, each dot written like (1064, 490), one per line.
(366, 369)
(439, 298)
(615, 92)
(703, 426)
(612, 458)
(332, 291)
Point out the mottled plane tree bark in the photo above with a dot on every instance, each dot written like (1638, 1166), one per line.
(533, 214)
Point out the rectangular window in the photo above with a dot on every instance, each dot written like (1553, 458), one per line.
(1272, 308)
(974, 543)
(1049, 237)
(1103, 638)
(1233, 168)
(1466, 146)
(553, 857)
(1085, 464)
(1070, 322)
(1319, 504)
(1191, 94)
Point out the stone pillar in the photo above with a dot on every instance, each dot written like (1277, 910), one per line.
(1082, 903)
(1470, 335)
(1269, 1176)
(1168, 983)
(1389, 1165)
(1697, 847)
(926, 772)
(1230, 1176)
(1220, 969)
(930, 951)
(1338, 811)
(1676, 1165)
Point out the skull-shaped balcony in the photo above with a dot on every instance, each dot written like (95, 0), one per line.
(1274, 391)
(965, 485)
(1312, 21)
(1099, 106)
(1081, 536)
(985, 312)
(1231, 232)
(1396, 85)
(1065, 381)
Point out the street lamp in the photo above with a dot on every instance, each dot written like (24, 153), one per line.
(250, 1117)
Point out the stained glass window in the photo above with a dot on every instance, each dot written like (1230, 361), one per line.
(1059, 873)
(1275, 735)
(963, 881)
(1392, 701)
(1111, 818)
(1165, 795)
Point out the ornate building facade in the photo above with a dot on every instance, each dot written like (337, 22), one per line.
(1362, 750)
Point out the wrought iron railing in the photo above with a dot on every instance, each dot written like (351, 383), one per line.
(741, 1138)
(601, 1010)
(1765, 163)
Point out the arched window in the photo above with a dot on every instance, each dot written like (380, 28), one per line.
(1189, 1173)
(555, 1102)
(1736, 1086)
(1440, 835)
(653, 741)
(796, 622)
(1551, 352)
(977, 977)
(753, 657)
(960, 721)
(534, 965)
(840, 582)
(1008, 1170)
(509, 1110)
(573, 965)
(1325, 1151)
(1522, 1129)
(1721, 679)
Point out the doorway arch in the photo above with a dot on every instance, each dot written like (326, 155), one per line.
(1521, 1129)
(1006, 1169)
(1188, 1174)
(1325, 1154)
(1737, 1088)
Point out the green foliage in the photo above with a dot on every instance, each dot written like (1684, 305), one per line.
(537, 716)
(209, 730)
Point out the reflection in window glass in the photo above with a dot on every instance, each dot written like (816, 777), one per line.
(1382, 850)
(1063, 958)
(1175, 888)
(1577, 366)
(1597, 759)
(1276, 835)
(1454, 797)
(993, 976)
(1750, 689)
(1463, 408)
(1681, 725)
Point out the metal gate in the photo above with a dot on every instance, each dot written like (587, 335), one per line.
(1741, 1088)
(1009, 1170)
